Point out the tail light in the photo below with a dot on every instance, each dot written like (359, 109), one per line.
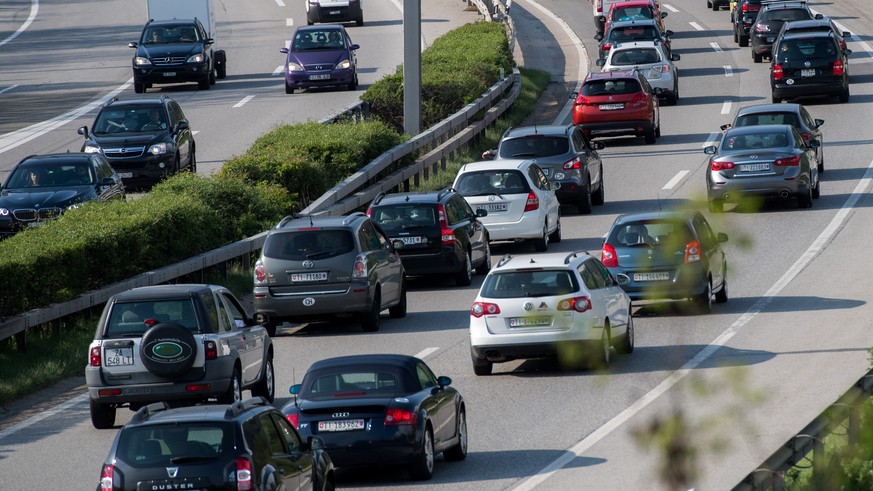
(396, 416)
(839, 69)
(532, 202)
(762, 28)
(599, 5)
(107, 478)
(806, 135)
(359, 270)
(717, 165)
(574, 163)
(778, 74)
(294, 419)
(211, 349)
(370, 211)
(150, 321)
(448, 235)
(745, 7)
(95, 356)
(579, 304)
(606, 46)
(483, 308)
(787, 161)
(842, 44)
(692, 252)
(608, 256)
(244, 480)
(581, 100)
(639, 100)
(260, 273)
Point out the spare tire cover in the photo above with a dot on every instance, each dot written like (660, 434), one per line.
(168, 350)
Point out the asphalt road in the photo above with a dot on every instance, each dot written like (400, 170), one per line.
(792, 338)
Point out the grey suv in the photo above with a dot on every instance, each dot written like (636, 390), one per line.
(175, 343)
(313, 268)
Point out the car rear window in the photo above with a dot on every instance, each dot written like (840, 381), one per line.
(766, 118)
(633, 33)
(632, 13)
(757, 140)
(529, 283)
(309, 244)
(375, 381)
(652, 233)
(611, 86)
(801, 49)
(786, 15)
(482, 183)
(173, 444)
(635, 56)
(127, 319)
(405, 216)
(534, 146)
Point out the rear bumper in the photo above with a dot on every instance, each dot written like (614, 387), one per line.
(445, 261)
(352, 12)
(774, 186)
(354, 299)
(636, 127)
(215, 381)
(688, 280)
(824, 88)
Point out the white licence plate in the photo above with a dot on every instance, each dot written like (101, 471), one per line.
(342, 425)
(301, 277)
(770, 39)
(611, 107)
(411, 240)
(125, 175)
(116, 357)
(754, 167)
(169, 74)
(493, 207)
(807, 72)
(651, 276)
(540, 320)
(35, 224)
(334, 12)
(320, 76)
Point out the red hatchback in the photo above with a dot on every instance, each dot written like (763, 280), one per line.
(617, 103)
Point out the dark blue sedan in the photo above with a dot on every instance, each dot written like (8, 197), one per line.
(380, 409)
(320, 56)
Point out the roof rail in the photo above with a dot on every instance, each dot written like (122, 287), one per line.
(505, 259)
(143, 413)
(445, 191)
(377, 199)
(239, 407)
(353, 216)
(574, 254)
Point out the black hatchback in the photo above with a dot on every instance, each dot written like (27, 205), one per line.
(809, 65)
(247, 445)
(769, 21)
(440, 232)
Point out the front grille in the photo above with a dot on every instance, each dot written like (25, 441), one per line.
(319, 67)
(124, 152)
(30, 214)
(168, 61)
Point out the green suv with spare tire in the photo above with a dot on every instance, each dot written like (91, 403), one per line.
(181, 344)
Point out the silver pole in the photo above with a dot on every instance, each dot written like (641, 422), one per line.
(411, 66)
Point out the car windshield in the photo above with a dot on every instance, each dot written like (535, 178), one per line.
(170, 34)
(127, 319)
(318, 40)
(164, 445)
(394, 218)
(534, 146)
(635, 56)
(309, 244)
(47, 176)
(376, 381)
(753, 141)
(130, 119)
(611, 86)
(766, 118)
(483, 183)
(529, 283)
(801, 49)
(671, 234)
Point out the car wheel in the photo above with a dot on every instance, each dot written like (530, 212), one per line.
(212, 77)
(708, 4)
(203, 84)
(465, 276)
(288, 89)
(804, 200)
(650, 136)
(271, 326)
(139, 88)
(627, 344)
(556, 235)
(192, 161)
(599, 196)
(421, 469)
(102, 415)
(721, 296)
(542, 244)
(776, 100)
(844, 95)
(716, 205)
(359, 21)
(585, 201)
(485, 267)
(714, 6)
(756, 57)
(221, 71)
(459, 451)
(370, 319)
(821, 166)
(605, 352)
(482, 367)
(354, 83)
(703, 302)
(736, 37)
(816, 191)
(266, 386)
(234, 389)
(399, 311)
(744, 41)
(168, 335)
(671, 99)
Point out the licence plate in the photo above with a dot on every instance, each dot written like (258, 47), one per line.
(301, 277)
(651, 276)
(411, 240)
(116, 357)
(342, 425)
(807, 72)
(770, 39)
(754, 167)
(493, 207)
(169, 74)
(611, 107)
(334, 12)
(125, 175)
(35, 224)
(540, 320)
(320, 76)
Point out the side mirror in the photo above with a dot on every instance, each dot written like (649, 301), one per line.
(600, 62)
(658, 91)
(489, 154)
(209, 41)
(182, 125)
(354, 47)
(598, 145)
(725, 127)
(574, 95)
(397, 244)
(294, 390)
(108, 181)
(847, 34)
(668, 33)
(710, 150)
(598, 37)
(444, 381)
(83, 130)
(132, 44)
(819, 16)
(283, 50)
(675, 57)
(818, 122)
(481, 212)
(315, 443)
(722, 237)
(848, 51)
(663, 14)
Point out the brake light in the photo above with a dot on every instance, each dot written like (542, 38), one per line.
(483, 308)
(244, 474)
(370, 211)
(396, 416)
(581, 100)
(842, 44)
(532, 202)
(778, 74)
(606, 46)
(745, 7)
(579, 304)
(359, 270)
(260, 273)
(599, 6)
(107, 478)
(839, 69)
(762, 27)
(294, 419)
(692, 252)
(448, 235)
(608, 256)
(95, 356)
(787, 161)
(150, 321)
(716, 165)
(806, 135)
(574, 163)
(211, 349)
(640, 99)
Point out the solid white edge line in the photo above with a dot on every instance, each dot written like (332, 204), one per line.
(726, 107)
(696, 26)
(44, 415)
(799, 265)
(7, 89)
(243, 101)
(34, 9)
(716, 47)
(673, 182)
(425, 352)
(728, 71)
(671, 8)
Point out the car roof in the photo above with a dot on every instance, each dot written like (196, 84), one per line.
(552, 130)
(807, 23)
(638, 44)
(783, 5)
(547, 260)
(164, 291)
(366, 359)
(496, 165)
(611, 74)
(321, 27)
(680, 215)
(54, 158)
(789, 107)
(145, 101)
(412, 197)
(185, 414)
(761, 128)
(302, 221)
(172, 22)
(807, 35)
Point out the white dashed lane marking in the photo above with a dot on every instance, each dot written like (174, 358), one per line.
(673, 182)
(716, 47)
(289, 22)
(696, 26)
(726, 107)
(671, 8)
(728, 71)
(243, 101)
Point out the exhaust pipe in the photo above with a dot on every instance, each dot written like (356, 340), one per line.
(783, 194)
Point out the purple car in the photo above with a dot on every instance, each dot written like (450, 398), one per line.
(320, 56)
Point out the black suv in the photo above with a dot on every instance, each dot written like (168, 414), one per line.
(769, 21)
(440, 233)
(809, 64)
(743, 16)
(247, 445)
(145, 140)
(564, 154)
(175, 51)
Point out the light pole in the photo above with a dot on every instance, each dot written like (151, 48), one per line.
(411, 66)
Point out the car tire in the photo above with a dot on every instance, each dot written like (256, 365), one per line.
(169, 333)
(399, 311)
(370, 319)
(599, 196)
(721, 296)
(102, 415)
(757, 57)
(844, 95)
(703, 302)
(359, 21)
(485, 267)
(736, 36)
(821, 162)
(221, 71)
(744, 41)
(714, 6)
(192, 161)
(716, 205)
(816, 191)
(556, 235)
(585, 202)
(465, 276)
(604, 355)
(776, 100)
(482, 367)
(354, 83)
(212, 77)
(804, 199)
(139, 88)
(458, 452)
(271, 326)
(626, 346)
(709, 4)
(203, 84)
(421, 469)
(234, 389)
(650, 137)
(266, 386)
(542, 244)
(288, 89)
